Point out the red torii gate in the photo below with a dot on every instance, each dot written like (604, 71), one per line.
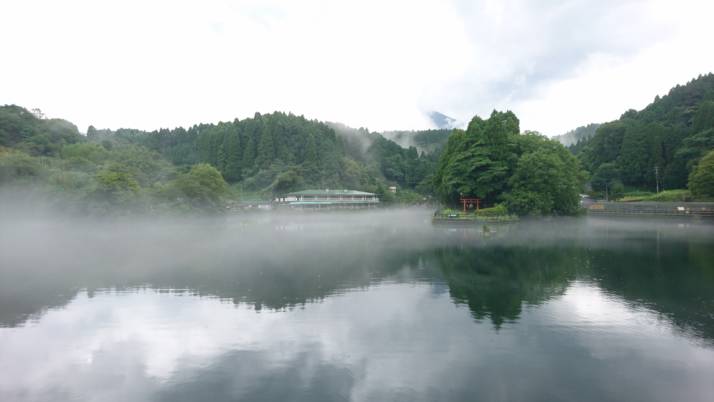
(470, 201)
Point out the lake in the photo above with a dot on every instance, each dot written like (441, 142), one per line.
(363, 306)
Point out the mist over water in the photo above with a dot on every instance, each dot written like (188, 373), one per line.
(363, 305)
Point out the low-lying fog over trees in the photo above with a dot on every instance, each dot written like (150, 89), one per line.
(208, 167)
(205, 166)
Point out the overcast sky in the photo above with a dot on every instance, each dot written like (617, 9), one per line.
(377, 64)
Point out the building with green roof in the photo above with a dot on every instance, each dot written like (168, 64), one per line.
(348, 199)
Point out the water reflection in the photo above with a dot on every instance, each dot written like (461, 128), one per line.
(358, 345)
(660, 269)
(675, 279)
(497, 282)
(380, 312)
(179, 346)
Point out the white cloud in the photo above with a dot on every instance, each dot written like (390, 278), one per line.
(161, 336)
(136, 344)
(365, 63)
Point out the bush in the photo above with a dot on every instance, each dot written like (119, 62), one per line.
(638, 193)
(93, 153)
(147, 167)
(662, 196)
(202, 187)
(524, 202)
(671, 195)
(497, 210)
(115, 184)
(288, 181)
(73, 181)
(616, 190)
(408, 197)
(18, 165)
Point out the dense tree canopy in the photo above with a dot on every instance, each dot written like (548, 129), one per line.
(278, 152)
(493, 161)
(660, 144)
(701, 181)
(20, 128)
(545, 181)
(269, 154)
(478, 161)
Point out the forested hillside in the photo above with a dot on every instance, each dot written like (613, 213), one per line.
(282, 152)
(201, 166)
(660, 144)
(49, 161)
(193, 168)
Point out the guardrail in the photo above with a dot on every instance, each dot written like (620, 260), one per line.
(649, 208)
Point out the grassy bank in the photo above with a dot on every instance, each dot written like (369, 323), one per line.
(662, 196)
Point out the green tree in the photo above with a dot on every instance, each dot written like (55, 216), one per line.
(545, 182)
(266, 147)
(85, 153)
(493, 161)
(115, 184)
(704, 117)
(202, 187)
(18, 166)
(605, 146)
(233, 161)
(605, 176)
(311, 164)
(637, 157)
(701, 181)
(145, 165)
(479, 161)
(287, 181)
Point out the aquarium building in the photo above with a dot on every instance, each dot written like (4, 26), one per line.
(333, 199)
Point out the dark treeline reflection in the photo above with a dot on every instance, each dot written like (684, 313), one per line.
(675, 279)
(268, 261)
(278, 262)
(496, 282)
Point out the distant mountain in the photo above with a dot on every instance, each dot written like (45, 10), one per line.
(441, 120)
(572, 137)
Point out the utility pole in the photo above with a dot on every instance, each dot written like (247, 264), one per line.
(657, 177)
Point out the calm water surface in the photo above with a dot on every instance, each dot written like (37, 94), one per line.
(365, 306)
